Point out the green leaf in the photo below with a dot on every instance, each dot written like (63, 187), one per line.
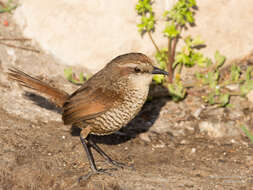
(246, 87)
(248, 73)
(143, 6)
(199, 59)
(183, 58)
(197, 41)
(189, 17)
(210, 98)
(192, 3)
(147, 23)
(235, 73)
(81, 78)
(8, 7)
(71, 77)
(208, 62)
(199, 75)
(189, 56)
(247, 132)
(211, 79)
(219, 59)
(181, 13)
(177, 91)
(165, 14)
(224, 99)
(68, 73)
(162, 58)
(170, 30)
(188, 41)
(158, 79)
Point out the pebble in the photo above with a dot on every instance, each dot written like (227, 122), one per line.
(197, 113)
(193, 150)
(145, 137)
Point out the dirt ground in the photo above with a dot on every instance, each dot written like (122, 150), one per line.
(38, 152)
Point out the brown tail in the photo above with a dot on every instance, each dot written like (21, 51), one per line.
(57, 96)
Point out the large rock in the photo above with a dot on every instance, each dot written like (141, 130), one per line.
(225, 26)
(89, 32)
(93, 32)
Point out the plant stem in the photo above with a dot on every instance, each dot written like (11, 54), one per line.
(152, 40)
(170, 61)
(174, 45)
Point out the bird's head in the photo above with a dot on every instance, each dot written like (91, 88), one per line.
(136, 66)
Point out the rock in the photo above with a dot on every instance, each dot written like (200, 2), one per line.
(88, 33)
(233, 86)
(197, 112)
(250, 96)
(92, 32)
(193, 150)
(224, 26)
(145, 137)
(219, 129)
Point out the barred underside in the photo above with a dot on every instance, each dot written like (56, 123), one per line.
(120, 115)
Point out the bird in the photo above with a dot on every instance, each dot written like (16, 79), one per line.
(104, 103)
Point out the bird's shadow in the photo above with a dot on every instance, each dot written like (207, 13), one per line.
(140, 124)
(42, 102)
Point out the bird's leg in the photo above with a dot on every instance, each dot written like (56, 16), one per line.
(104, 155)
(87, 148)
(89, 154)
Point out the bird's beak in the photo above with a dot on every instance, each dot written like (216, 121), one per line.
(159, 71)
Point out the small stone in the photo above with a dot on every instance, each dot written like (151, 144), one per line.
(183, 141)
(219, 129)
(145, 137)
(233, 87)
(193, 150)
(197, 113)
(161, 145)
(250, 96)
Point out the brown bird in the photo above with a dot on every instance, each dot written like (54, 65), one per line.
(105, 103)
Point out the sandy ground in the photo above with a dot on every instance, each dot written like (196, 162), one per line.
(38, 152)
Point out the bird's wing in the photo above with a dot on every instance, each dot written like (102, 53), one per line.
(87, 103)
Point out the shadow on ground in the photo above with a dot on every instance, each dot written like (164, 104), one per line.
(141, 123)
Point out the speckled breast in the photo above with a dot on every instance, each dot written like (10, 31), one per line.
(119, 116)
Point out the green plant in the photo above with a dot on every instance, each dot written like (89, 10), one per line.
(176, 20)
(73, 78)
(247, 132)
(172, 60)
(7, 7)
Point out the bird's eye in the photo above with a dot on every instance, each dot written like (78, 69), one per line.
(137, 70)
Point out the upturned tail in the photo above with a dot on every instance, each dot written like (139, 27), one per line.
(56, 96)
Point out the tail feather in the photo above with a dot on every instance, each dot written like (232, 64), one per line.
(57, 96)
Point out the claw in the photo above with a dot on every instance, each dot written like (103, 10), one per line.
(121, 165)
(96, 172)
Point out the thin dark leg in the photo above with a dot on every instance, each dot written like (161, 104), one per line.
(104, 155)
(90, 157)
(89, 154)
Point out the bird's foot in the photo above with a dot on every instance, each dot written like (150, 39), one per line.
(97, 172)
(120, 165)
